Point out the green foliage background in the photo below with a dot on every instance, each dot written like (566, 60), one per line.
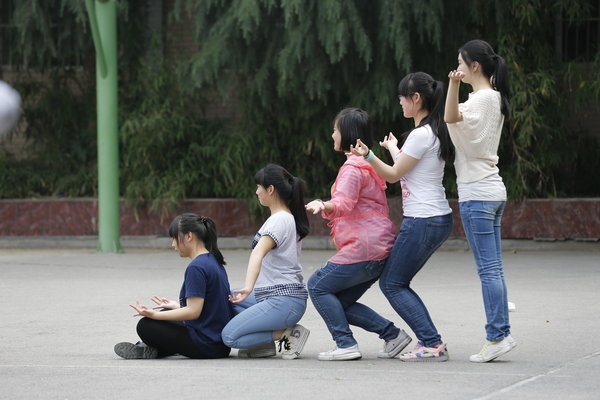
(290, 65)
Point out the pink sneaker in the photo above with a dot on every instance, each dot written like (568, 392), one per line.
(422, 354)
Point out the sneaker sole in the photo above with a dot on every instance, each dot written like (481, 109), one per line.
(299, 348)
(401, 346)
(341, 357)
(426, 359)
(257, 354)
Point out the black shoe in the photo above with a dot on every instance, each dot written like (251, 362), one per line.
(130, 351)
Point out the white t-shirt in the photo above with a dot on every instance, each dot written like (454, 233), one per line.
(423, 193)
(280, 272)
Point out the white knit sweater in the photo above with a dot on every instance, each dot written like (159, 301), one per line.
(477, 136)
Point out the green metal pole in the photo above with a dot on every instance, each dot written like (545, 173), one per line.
(103, 18)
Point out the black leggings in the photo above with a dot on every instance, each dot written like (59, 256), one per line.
(169, 338)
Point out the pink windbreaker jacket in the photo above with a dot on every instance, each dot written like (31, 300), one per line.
(361, 229)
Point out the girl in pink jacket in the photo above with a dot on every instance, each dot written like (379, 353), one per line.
(363, 235)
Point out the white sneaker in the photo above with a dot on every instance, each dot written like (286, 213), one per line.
(392, 348)
(337, 354)
(293, 340)
(512, 307)
(491, 351)
(511, 341)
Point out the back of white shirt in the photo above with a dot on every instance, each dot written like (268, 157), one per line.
(423, 193)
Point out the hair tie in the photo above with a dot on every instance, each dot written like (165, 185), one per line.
(203, 219)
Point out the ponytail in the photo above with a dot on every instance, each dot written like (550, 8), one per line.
(437, 123)
(210, 241)
(297, 208)
(499, 81)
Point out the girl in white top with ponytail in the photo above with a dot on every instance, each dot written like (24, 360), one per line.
(427, 217)
(475, 127)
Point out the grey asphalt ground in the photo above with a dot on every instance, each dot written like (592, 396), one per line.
(65, 308)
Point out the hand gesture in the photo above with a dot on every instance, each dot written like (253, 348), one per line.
(142, 310)
(237, 296)
(455, 75)
(315, 206)
(389, 141)
(360, 149)
(163, 302)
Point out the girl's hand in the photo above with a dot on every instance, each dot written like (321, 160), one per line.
(360, 149)
(455, 75)
(389, 141)
(315, 206)
(142, 310)
(163, 302)
(237, 296)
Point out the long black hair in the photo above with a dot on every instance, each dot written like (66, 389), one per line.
(290, 189)
(204, 228)
(493, 67)
(434, 99)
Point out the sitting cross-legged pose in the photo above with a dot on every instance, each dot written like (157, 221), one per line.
(192, 326)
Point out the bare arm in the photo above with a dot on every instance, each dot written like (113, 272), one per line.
(451, 112)
(264, 245)
(191, 311)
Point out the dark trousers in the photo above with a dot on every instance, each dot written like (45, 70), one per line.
(169, 338)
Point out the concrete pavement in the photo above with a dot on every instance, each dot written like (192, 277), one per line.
(65, 308)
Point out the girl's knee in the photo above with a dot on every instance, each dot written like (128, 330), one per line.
(388, 288)
(143, 325)
(227, 338)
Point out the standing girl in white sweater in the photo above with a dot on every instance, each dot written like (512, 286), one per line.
(475, 127)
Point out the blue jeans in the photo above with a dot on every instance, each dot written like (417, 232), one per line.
(481, 221)
(247, 303)
(255, 325)
(417, 240)
(335, 289)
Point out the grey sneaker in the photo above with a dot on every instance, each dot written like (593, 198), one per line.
(492, 350)
(292, 342)
(130, 351)
(392, 348)
(341, 354)
(268, 350)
